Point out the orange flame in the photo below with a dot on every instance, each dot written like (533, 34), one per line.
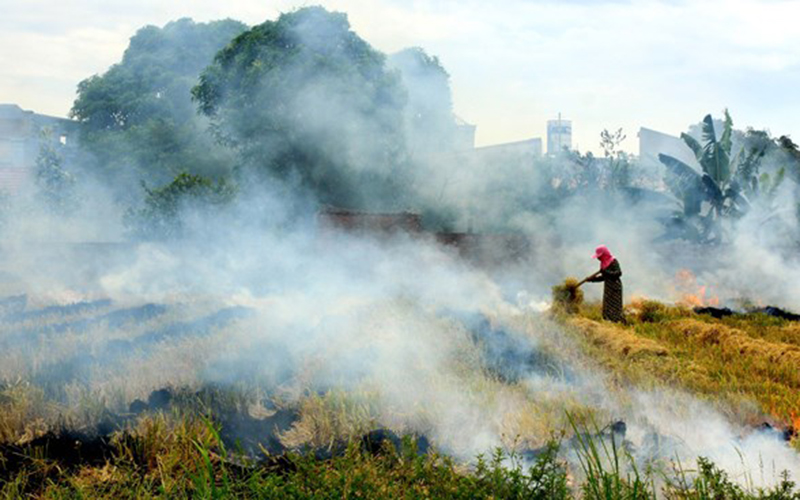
(691, 293)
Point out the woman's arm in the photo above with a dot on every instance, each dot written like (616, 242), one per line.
(597, 278)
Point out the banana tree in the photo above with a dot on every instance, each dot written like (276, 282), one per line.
(711, 196)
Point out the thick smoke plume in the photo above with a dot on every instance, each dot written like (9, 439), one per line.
(261, 294)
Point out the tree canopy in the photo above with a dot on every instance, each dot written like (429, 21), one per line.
(138, 118)
(305, 98)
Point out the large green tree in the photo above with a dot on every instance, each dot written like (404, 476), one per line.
(138, 118)
(305, 99)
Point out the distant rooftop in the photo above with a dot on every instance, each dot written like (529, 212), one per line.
(523, 142)
(462, 122)
(9, 110)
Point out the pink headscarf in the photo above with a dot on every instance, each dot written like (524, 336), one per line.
(604, 254)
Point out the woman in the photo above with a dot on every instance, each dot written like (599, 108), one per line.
(610, 274)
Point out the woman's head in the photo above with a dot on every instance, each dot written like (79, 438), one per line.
(603, 254)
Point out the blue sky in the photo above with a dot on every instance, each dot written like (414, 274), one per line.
(513, 63)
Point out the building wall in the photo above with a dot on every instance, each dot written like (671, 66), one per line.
(369, 223)
(21, 140)
(526, 150)
(652, 142)
(485, 250)
(465, 136)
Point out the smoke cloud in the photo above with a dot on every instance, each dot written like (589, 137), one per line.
(261, 294)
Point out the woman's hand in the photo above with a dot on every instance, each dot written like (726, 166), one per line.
(591, 277)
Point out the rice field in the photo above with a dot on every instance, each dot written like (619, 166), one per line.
(748, 365)
(190, 398)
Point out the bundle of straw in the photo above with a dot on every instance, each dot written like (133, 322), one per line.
(568, 297)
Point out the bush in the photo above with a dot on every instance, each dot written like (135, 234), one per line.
(165, 208)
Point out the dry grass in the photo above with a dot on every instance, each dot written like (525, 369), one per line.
(24, 413)
(730, 362)
(522, 416)
(735, 343)
(766, 327)
(334, 416)
(165, 453)
(567, 297)
(619, 341)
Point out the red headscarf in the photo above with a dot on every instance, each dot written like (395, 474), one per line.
(604, 254)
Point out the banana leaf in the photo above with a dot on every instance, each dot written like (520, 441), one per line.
(693, 144)
(693, 202)
(715, 195)
(688, 183)
(682, 171)
(734, 193)
(725, 141)
(780, 175)
(709, 134)
(715, 160)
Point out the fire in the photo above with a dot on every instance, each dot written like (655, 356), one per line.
(691, 293)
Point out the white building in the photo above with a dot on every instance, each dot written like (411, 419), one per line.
(527, 149)
(559, 135)
(652, 143)
(21, 140)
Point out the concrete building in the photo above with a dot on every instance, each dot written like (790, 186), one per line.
(527, 149)
(464, 135)
(21, 136)
(652, 142)
(559, 135)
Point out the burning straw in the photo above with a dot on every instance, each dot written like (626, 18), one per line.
(568, 297)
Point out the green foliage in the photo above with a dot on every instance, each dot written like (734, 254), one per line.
(619, 163)
(165, 208)
(572, 172)
(728, 185)
(757, 144)
(715, 157)
(792, 154)
(714, 187)
(55, 185)
(190, 461)
(181, 454)
(604, 464)
(711, 483)
(503, 476)
(306, 98)
(138, 119)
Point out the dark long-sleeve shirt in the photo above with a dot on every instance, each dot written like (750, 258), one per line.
(612, 291)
